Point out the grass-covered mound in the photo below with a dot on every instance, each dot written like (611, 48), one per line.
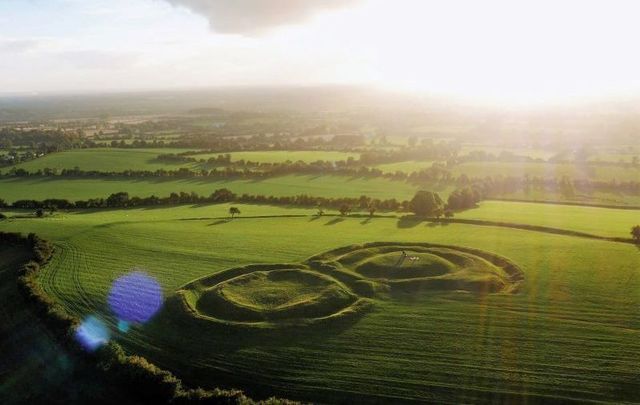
(331, 285)
(269, 295)
(417, 267)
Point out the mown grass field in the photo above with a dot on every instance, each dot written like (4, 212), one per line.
(572, 332)
(16, 188)
(35, 368)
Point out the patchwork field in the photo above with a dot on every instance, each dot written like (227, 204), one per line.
(569, 330)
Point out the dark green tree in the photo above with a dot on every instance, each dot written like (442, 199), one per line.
(426, 203)
(118, 199)
(372, 208)
(345, 209)
(635, 234)
(233, 211)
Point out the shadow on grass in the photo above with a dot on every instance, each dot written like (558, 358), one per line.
(220, 221)
(366, 221)
(409, 221)
(335, 221)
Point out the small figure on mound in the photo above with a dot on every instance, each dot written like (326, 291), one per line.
(403, 256)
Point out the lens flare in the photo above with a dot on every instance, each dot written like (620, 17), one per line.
(92, 333)
(123, 326)
(135, 297)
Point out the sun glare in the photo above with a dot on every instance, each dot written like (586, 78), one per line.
(498, 50)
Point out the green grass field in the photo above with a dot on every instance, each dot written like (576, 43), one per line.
(104, 159)
(597, 221)
(534, 153)
(571, 332)
(16, 188)
(407, 166)
(282, 156)
(35, 368)
(547, 170)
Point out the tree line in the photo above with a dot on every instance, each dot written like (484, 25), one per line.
(460, 199)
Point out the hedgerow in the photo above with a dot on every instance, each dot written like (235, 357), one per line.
(137, 376)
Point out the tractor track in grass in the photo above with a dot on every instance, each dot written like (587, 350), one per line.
(52, 278)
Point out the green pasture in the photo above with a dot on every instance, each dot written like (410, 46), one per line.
(593, 220)
(406, 166)
(104, 160)
(571, 332)
(35, 368)
(282, 156)
(533, 153)
(580, 197)
(547, 170)
(17, 188)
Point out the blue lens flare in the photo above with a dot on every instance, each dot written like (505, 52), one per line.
(135, 297)
(123, 326)
(92, 333)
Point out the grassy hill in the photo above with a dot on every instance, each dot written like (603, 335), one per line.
(571, 332)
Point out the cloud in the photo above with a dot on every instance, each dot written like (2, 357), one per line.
(17, 45)
(93, 59)
(254, 17)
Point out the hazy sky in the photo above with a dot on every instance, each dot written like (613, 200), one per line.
(510, 50)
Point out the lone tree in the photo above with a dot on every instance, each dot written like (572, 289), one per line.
(426, 203)
(345, 210)
(635, 234)
(233, 211)
(372, 209)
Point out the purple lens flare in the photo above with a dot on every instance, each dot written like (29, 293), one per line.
(135, 297)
